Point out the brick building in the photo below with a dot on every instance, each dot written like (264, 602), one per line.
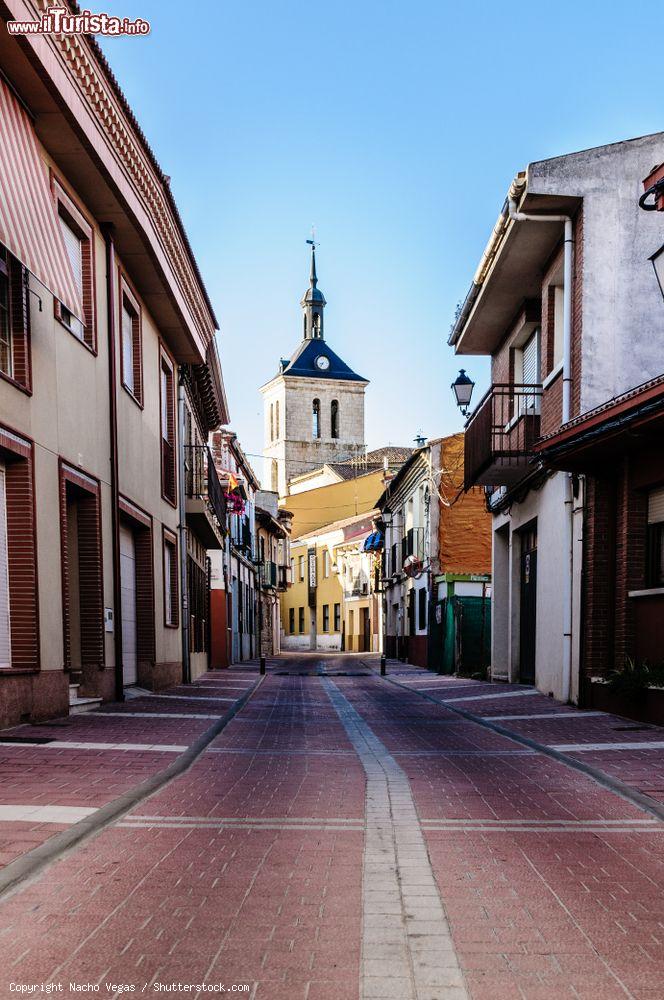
(437, 551)
(106, 342)
(564, 303)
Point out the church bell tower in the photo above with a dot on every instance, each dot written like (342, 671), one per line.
(313, 406)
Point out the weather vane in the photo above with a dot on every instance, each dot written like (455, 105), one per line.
(312, 242)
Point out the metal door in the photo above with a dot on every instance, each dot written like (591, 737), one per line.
(528, 606)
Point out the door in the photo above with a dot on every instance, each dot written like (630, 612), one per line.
(5, 633)
(528, 606)
(365, 630)
(128, 604)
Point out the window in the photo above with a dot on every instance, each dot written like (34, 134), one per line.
(334, 418)
(14, 344)
(291, 620)
(170, 581)
(276, 420)
(422, 609)
(271, 421)
(300, 568)
(300, 620)
(337, 617)
(316, 319)
(77, 237)
(167, 430)
(655, 575)
(131, 357)
(315, 412)
(527, 372)
(326, 563)
(326, 618)
(558, 323)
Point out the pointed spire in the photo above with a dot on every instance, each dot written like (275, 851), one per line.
(313, 277)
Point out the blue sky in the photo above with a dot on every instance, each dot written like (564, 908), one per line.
(395, 129)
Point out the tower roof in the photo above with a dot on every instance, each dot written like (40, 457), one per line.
(303, 363)
(313, 292)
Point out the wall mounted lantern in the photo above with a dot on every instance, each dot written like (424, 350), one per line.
(463, 390)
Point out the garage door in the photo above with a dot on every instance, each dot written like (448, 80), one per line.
(128, 585)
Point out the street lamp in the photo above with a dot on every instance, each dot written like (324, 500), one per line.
(463, 390)
(658, 267)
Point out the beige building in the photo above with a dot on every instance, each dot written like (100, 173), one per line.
(106, 348)
(314, 406)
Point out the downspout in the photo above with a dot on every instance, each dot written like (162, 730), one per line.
(568, 533)
(107, 230)
(182, 533)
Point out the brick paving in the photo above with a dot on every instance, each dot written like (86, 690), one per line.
(289, 855)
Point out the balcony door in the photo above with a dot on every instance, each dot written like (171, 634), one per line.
(528, 605)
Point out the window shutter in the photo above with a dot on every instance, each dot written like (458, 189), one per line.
(74, 252)
(128, 350)
(531, 361)
(656, 506)
(5, 633)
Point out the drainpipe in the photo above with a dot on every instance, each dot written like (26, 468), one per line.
(568, 521)
(107, 230)
(182, 532)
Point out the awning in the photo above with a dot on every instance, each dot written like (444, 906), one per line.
(373, 542)
(28, 222)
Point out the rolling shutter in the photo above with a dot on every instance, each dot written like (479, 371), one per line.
(656, 507)
(128, 350)
(74, 253)
(5, 633)
(531, 360)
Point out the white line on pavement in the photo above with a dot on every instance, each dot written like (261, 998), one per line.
(43, 814)
(70, 745)
(154, 715)
(583, 747)
(557, 716)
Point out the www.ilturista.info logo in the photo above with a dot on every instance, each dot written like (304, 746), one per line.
(61, 21)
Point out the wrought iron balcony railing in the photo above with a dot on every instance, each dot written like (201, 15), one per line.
(500, 435)
(268, 574)
(202, 481)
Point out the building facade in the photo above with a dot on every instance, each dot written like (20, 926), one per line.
(436, 562)
(332, 604)
(102, 311)
(314, 406)
(273, 527)
(569, 314)
(233, 569)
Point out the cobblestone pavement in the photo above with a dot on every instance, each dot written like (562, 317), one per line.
(343, 837)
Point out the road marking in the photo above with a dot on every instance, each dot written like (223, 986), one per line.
(253, 820)
(71, 745)
(189, 697)
(401, 907)
(285, 753)
(585, 747)
(557, 716)
(488, 697)
(43, 814)
(174, 824)
(154, 715)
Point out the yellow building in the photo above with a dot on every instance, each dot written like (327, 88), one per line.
(331, 604)
(323, 505)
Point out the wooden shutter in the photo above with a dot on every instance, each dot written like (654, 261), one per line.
(5, 632)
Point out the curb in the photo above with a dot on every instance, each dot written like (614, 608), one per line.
(639, 799)
(35, 861)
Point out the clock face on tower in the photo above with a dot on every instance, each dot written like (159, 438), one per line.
(322, 362)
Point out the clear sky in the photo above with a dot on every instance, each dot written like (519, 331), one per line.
(396, 129)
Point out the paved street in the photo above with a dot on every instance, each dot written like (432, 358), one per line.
(342, 836)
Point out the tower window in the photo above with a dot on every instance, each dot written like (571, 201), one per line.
(315, 429)
(316, 324)
(276, 420)
(334, 418)
(271, 421)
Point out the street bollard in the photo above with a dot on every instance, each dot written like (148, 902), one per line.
(382, 665)
(262, 667)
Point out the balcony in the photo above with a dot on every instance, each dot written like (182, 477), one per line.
(501, 434)
(205, 504)
(285, 577)
(268, 575)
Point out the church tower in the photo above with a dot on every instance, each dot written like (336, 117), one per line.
(314, 405)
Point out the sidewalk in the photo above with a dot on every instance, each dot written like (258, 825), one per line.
(632, 752)
(56, 773)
